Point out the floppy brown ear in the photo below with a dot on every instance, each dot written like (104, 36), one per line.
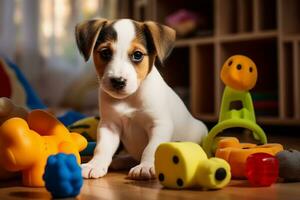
(86, 34)
(163, 38)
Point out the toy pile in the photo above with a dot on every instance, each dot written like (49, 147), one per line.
(261, 165)
(185, 165)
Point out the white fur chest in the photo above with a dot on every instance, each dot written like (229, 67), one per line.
(134, 125)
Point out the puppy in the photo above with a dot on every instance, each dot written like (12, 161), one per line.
(136, 106)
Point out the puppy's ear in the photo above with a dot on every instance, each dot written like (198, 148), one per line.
(86, 34)
(162, 37)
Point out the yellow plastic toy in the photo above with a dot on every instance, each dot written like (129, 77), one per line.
(26, 145)
(239, 72)
(184, 165)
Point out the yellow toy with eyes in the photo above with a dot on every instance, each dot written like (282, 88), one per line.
(185, 165)
(239, 72)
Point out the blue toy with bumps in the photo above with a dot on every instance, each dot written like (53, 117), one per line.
(63, 176)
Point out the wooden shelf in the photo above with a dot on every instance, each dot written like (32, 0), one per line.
(268, 31)
(291, 38)
(248, 36)
(194, 41)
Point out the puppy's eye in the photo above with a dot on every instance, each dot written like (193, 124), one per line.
(105, 53)
(137, 56)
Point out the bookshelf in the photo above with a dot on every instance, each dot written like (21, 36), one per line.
(268, 31)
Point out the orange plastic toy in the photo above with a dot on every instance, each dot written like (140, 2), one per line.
(239, 72)
(26, 145)
(236, 153)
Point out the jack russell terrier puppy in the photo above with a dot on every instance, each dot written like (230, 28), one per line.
(137, 107)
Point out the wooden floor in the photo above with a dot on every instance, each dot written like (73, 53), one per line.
(116, 186)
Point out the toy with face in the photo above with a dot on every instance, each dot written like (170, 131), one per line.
(239, 72)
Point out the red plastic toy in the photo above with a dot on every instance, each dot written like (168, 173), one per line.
(262, 169)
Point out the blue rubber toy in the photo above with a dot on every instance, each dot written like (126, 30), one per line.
(63, 176)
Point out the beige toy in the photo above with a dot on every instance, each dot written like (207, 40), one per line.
(8, 110)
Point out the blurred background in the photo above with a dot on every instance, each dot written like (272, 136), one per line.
(39, 37)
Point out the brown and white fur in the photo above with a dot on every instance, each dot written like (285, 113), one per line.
(136, 106)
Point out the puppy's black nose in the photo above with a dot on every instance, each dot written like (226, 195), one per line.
(118, 83)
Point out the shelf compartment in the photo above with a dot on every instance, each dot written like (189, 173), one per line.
(262, 52)
(234, 16)
(175, 72)
(202, 79)
(290, 16)
(296, 73)
(204, 10)
(288, 96)
(226, 16)
(245, 16)
(265, 16)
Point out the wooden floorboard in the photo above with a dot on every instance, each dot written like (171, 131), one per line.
(116, 186)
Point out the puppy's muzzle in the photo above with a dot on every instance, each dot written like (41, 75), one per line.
(118, 83)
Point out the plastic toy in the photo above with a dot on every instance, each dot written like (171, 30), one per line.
(25, 146)
(8, 110)
(63, 176)
(289, 165)
(87, 127)
(239, 74)
(15, 86)
(261, 169)
(184, 165)
(236, 153)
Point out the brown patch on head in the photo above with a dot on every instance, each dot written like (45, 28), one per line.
(99, 62)
(105, 40)
(93, 36)
(143, 43)
(143, 67)
(86, 34)
(162, 37)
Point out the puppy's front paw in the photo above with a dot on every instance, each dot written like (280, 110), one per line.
(142, 171)
(93, 169)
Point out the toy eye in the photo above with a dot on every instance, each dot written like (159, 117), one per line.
(161, 177)
(250, 69)
(175, 159)
(220, 174)
(179, 182)
(230, 63)
(239, 66)
(105, 53)
(137, 56)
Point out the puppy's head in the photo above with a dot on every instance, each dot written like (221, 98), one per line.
(124, 51)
